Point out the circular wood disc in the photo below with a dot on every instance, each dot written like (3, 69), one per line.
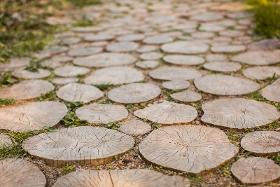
(105, 60)
(167, 113)
(254, 170)
(183, 59)
(147, 64)
(102, 113)
(207, 16)
(25, 74)
(14, 64)
(115, 76)
(98, 37)
(61, 81)
(120, 178)
(186, 96)
(20, 173)
(70, 71)
(158, 39)
(134, 93)
(174, 73)
(222, 66)
(272, 92)
(5, 141)
(31, 116)
(239, 113)
(219, 84)
(75, 92)
(176, 84)
(122, 47)
(151, 56)
(131, 37)
(147, 48)
(85, 144)
(261, 72)
(84, 51)
(188, 47)
(188, 148)
(258, 57)
(228, 48)
(28, 89)
(261, 142)
(135, 127)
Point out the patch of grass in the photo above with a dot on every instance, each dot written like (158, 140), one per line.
(68, 168)
(34, 65)
(50, 96)
(113, 125)
(84, 23)
(195, 179)
(267, 16)
(7, 79)
(276, 158)
(12, 151)
(104, 87)
(256, 96)
(71, 120)
(83, 3)
(4, 102)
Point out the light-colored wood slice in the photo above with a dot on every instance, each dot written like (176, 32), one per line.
(219, 84)
(135, 127)
(176, 84)
(14, 64)
(239, 113)
(228, 48)
(207, 16)
(216, 58)
(122, 47)
(224, 67)
(183, 59)
(147, 48)
(158, 39)
(174, 73)
(120, 178)
(102, 113)
(167, 113)
(84, 145)
(185, 47)
(75, 92)
(66, 80)
(25, 74)
(84, 51)
(131, 37)
(261, 142)
(5, 141)
(20, 173)
(105, 60)
(31, 116)
(261, 72)
(98, 37)
(258, 57)
(151, 56)
(134, 93)
(27, 89)
(255, 170)
(188, 148)
(70, 71)
(186, 96)
(115, 76)
(266, 44)
(147, 64)
(272, 92)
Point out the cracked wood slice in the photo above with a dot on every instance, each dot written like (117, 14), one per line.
(25, 74)
(219, 84)
(115, 76)
(167, 113)
(27, 89)
(84, 51)
(98, 37)
(158, 39)
(188, 148)
(261, 142)
(174, 73)
(228, 48)
(64, 80)
(207, 16)
(31, 116)
(84, 145)
(14, 64)
(120, 178)
(258, 57)
(122, 46)
(272, 92)
(183, 59)
(151, 56)
(134, 93)
(5, 141)
(224, 67)
(255, 170)
(185, 47)
(261, 72)
(239, 113)
(135, 127)
(75, 92)
(20, 173)
(105, 60)
(70, 71)
(147, 64)
(131, 37)
(176, 84)
(186, 96)
(102, 113)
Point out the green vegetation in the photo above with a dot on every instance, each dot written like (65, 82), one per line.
(4, 102)
(104, 87)
(11, 151)
(71, 120)
(83, 3)
(7, 79)
(84, 23)
(34, 65)
(113, 125)
(267, 16)
(48, 96)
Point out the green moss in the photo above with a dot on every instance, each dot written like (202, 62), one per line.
(113, 125)
(4, 102)
(12, 151)
(50, 96)
(7, 79)
(83, 3)
(256, 96)
(71, 120)
(68, 168)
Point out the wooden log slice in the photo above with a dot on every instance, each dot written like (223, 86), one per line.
(185, 47)
(272, 92)
(258, 57)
